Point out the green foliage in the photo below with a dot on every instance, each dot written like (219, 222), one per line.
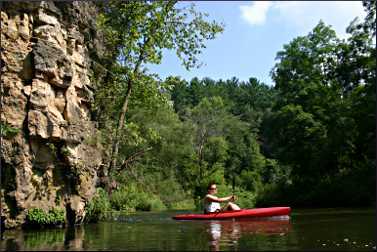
(64, 151)
(8, 131)
(51, 146)
(145, 28)
(245, 198)
(187, 204)
(94, 140)
(97, 208)
(251, 180)
(274, 172)
(138, 32)
(292, 133)
(130, 198)
(58, 198)
(170, 191)
(272, 194)
(39, 217)
(321, 126)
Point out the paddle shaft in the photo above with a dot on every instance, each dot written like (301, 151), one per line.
(233, 183)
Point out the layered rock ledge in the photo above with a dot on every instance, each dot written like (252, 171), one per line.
(51, 161)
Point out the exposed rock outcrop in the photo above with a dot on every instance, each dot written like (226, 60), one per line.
(50, 159)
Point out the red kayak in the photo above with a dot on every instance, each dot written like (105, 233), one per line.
(238, 214)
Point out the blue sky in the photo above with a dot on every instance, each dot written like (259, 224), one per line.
(254, 32)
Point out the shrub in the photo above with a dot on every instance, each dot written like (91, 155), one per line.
(251, 181)
(124, 198)
(39, 217)
(245, 199)
(187, 204)
(149, 202)
(97, 208)
(131, 198)
(274, 194)
(171, 192)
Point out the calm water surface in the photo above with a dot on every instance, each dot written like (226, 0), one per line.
(319, 229)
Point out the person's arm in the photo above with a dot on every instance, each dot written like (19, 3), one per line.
(216, 199)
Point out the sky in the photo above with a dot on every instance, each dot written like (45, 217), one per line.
(254, 32)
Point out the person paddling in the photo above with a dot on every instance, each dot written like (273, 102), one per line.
(212, 202)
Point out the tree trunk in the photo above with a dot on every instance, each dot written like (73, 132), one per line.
(200, 152)
(122, 117)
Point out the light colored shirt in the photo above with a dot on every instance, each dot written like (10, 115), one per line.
(210, 206)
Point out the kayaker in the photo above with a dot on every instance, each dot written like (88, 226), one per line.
(212, 202)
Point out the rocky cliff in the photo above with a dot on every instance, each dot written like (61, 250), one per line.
(50, 156)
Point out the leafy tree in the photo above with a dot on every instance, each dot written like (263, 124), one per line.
(296, 138)
(206, 119)
(322, 124)
(140, 31)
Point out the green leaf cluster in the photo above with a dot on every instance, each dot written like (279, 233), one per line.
(8, 131)
(39, 217)
(97, 208)
(130, 198)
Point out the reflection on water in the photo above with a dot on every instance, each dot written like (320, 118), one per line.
(74, 238)
(49, 239)
(230, 231)
(306, 230)
(18, 240)
(221, 232)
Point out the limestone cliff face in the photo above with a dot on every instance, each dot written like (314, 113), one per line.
(53, 159)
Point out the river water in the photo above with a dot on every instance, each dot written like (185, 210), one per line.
(306, 229)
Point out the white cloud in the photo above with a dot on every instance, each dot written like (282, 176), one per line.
(304, 15)
(255, 13)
